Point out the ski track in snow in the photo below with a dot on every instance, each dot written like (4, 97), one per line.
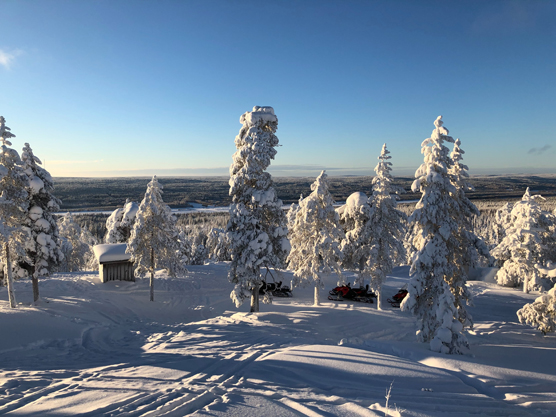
(96, 349)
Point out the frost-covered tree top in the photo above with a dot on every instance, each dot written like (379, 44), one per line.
(255, 145)
(120, 223)
(13, 181)
(433, 171)
(257, 228)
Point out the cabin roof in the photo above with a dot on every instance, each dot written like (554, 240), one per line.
(111, 252)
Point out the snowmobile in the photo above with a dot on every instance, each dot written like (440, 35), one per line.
(276, 289)
(345, 292)
(398, 298)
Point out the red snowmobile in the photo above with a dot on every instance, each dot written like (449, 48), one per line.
(398, 298)
(346, 293)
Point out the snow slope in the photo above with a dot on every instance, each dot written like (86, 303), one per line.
(104, 349)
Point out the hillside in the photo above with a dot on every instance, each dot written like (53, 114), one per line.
(103, 349)
(109, 193)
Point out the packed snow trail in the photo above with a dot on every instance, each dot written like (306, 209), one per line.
(103, 349)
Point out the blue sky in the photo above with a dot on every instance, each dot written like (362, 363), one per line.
(106, 88)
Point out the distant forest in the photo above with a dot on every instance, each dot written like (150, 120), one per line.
(109, 193)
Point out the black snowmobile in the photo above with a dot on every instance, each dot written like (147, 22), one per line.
(346, 293)
(276, 289)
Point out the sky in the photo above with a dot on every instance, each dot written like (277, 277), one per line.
(144, 87)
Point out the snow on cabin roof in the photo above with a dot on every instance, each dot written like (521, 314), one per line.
(111, 252)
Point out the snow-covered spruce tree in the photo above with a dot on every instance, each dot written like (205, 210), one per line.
(257, 228)
(292, 212)
(199, 251)
(43, 249)
(470, 245)
(76, 244)
(13, 205)
(315, 237)
(503, 219)
(387, 224)
(522, 248)
(542, 313)
(433, 225)
(154, 237)
(120, 223)
(355, 216)
(218, 246)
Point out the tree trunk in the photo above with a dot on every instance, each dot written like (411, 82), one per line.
(35, 281)
(525, 285)
(379, 299)
(317, 298)
(255, 298)
(151, 284)
(9, 278)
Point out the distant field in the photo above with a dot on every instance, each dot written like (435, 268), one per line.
(110, 193)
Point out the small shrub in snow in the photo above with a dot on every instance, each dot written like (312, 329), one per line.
(257, 227)
(315, 237)
(154, 241)
(541, 313)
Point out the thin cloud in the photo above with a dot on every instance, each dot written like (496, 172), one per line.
(62, 162)
(8, 58)
(539, 151)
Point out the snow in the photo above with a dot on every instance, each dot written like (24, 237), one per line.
(104, 349)
(259, 114)
(36, 185)
(110, 252)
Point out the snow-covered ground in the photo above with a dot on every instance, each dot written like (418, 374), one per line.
(104, 349)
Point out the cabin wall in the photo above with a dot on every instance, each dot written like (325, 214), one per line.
(116, 271)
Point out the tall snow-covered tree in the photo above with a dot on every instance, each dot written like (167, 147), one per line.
(43, 249)
(154, 241)
(355, 216)
(120, 223)
(471, 246)
(13, 205)
(387, 225)
(315, 237)
(257, 228)
(76, 244)
(433, 225)
(521, 249)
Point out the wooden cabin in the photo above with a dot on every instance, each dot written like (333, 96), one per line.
(113, 262)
